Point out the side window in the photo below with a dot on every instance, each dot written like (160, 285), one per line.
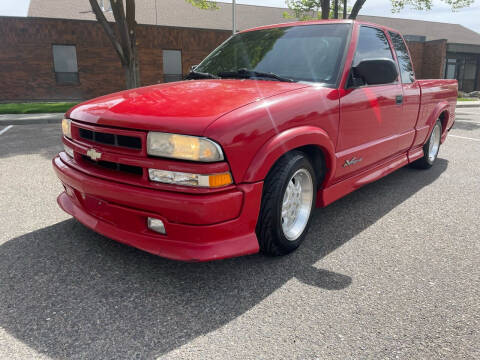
(406, 68)
(65, 64)
(372, 44)
(172, 65)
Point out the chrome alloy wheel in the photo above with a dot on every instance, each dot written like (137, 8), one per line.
(297, 204)
(434, 144)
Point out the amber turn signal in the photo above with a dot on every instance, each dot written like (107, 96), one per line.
(218, 180)
(187, 179)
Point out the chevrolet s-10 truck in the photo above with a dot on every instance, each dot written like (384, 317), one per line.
(232, 160)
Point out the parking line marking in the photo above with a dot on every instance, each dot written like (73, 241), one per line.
(463, 137)
(6, 129)
(468, 121)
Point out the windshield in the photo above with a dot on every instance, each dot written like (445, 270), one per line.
(310, 53)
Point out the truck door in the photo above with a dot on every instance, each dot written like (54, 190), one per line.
(368, 114)
(411, 94)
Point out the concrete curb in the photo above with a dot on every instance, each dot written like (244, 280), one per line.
(467, 104)
(29, 119)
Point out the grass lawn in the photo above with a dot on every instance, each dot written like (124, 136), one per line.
(34, 108)
(468, 99)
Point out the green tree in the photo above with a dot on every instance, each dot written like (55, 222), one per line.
(398, 5)
(123, 35)
(325, 9)
(308, 9)
(203, 4)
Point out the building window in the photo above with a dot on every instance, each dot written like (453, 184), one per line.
(451, 67)
(65, 64)
(172, 65)
(464, 68)
(105, 5)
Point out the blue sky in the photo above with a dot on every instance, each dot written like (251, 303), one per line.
(468, 17)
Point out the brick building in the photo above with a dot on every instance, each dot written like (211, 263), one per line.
(55, 59)
(60, 52)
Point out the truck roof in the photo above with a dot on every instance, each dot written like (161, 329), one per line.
(316, 22)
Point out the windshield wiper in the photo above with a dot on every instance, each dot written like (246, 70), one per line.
(246, 74)
(200, 75)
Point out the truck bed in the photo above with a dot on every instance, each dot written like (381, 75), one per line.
(435, 93)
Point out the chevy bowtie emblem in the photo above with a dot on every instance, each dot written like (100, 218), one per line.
(94, 154)
(351, 162)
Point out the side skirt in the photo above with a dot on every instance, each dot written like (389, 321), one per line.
(415, 154)
(336, 191)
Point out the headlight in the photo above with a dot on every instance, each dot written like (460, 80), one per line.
(67, 128)
(187, 179)
(183, 147)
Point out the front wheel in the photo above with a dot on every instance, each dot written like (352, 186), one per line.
(430, 149)
(288, 198)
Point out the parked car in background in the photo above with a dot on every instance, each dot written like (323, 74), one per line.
(233, 160)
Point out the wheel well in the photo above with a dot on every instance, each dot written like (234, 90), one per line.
(444, 120)
(316, 156)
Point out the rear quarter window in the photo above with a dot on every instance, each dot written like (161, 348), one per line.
(406, 68)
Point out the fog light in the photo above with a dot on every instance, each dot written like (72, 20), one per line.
(70, 191)
(68, 150)
(156, 225)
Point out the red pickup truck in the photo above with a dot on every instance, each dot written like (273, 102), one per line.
(232, 160)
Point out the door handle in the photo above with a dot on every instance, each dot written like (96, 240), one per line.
(399, 99)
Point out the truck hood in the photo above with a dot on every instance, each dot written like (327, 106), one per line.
(186, 107)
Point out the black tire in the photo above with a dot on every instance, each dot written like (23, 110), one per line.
(425, 162)
(269, 230)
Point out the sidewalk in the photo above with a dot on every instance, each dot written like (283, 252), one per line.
(27, 119)
(468, 104)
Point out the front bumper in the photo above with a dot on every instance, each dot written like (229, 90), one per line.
(120, 212)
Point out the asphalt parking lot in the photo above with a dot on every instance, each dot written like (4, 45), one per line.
(391, 271)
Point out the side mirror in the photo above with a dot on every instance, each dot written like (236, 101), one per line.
(376, 71)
